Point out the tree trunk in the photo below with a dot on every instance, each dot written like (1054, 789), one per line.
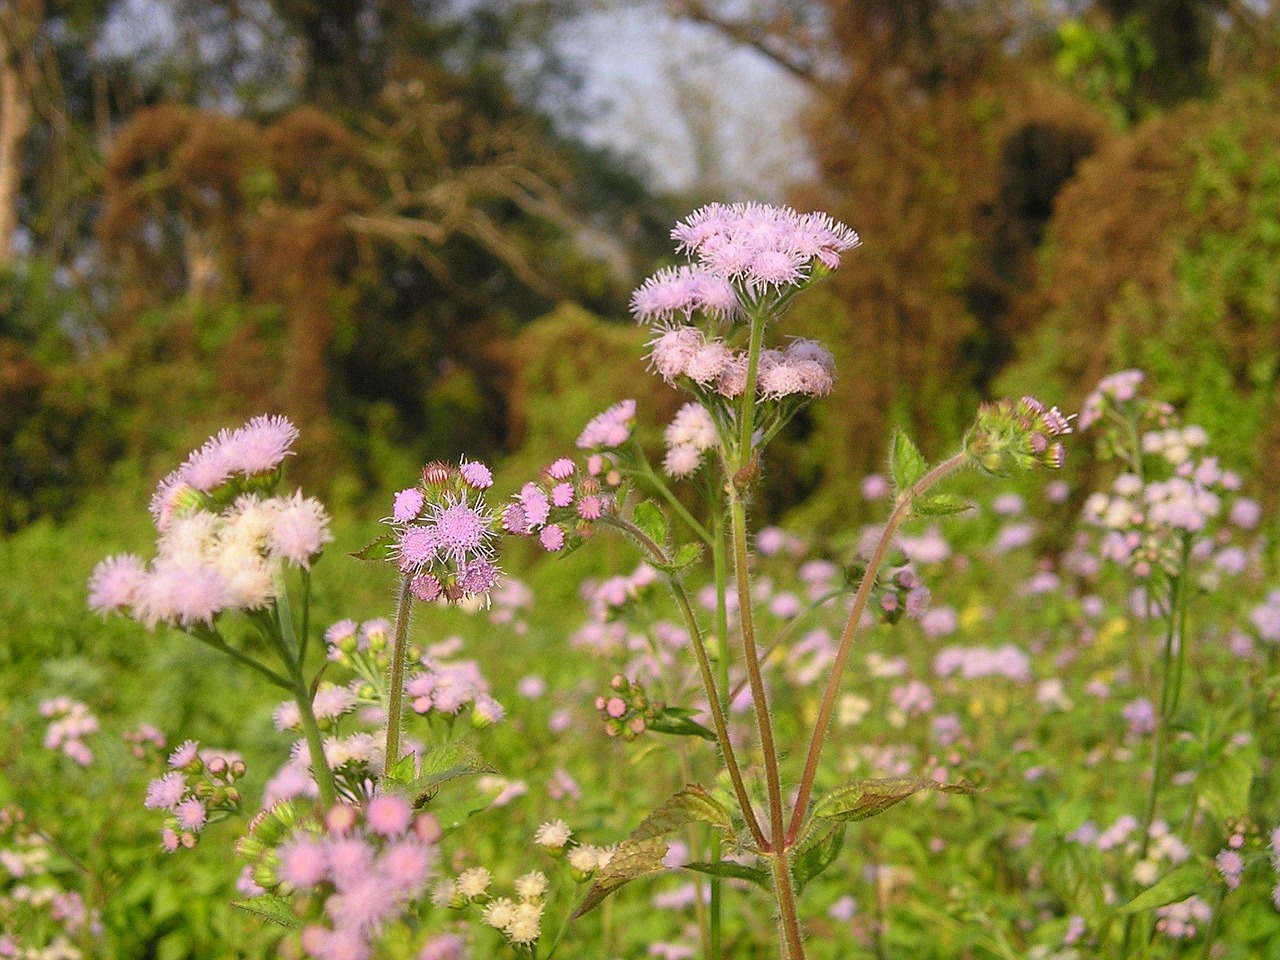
(15, 122)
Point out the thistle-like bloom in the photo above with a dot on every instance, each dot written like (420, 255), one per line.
(300, 531)
(682, 291)
(447, 542)
(1017, 433)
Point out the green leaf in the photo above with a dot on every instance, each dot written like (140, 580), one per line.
(811, 859)
(271, 908)
(734, 871)
(906, 462)
(642, 852)
(632, 859)
(686, 556)
(648, 516)
(1073, 874)
(693, 804)
(939, 505)
(1224, 788)
(1181, 883)
(379, 549)
(867, 798)
(402, 773)
(675, 724)
(446, 763)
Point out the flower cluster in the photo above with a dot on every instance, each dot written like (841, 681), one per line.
(198, 789)
(519, 918)
(685, 356)
(69, 723)
(627, 711)
(1113, 389)
(689, 435)
(349, 876)
(445, 687)
(609, 429)
(39, 917)
(1172, 498)
(444, 534)
(1017, 434)
(223, 538)
(743, 251)
(561, 507)
(1182, 920)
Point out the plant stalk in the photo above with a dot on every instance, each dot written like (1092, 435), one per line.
(395, 695)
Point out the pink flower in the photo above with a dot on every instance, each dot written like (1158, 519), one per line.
(562, 494)
(191, 814)
(300, 531)
(551, 537)
(417, 547)
(444, 946)
(182, 594)
(261, 445)
(479, 577)
(612, 428)
(476, 475)
(186, 752)
(562, 469)
(683, 291)
(408, 505)
(115, 582)
(672, 350)
(426, 587)
(406, 864)
(681, 460)
(303, 863)
(590, 508)
(388, 815)
(535, 505)
(350, 860)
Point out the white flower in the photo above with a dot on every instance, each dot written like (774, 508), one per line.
(553, 835)
(532, 885)
(474, 882)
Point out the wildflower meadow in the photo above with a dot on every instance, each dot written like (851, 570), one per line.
(639, 480)
(916, 736)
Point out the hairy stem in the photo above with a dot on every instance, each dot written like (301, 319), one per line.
(900, 512)
(213, 639)
(720, 566)
(395, 696)
(790, 920)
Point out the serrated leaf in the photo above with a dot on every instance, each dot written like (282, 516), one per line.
(1181, 883)
(734, 871)
(867, 798)
(939, 505)
(632, 859)
(813, 858)
(648, 516)
(271, 908)
(443, 764)
(379, 549)
(693, 804)
(906, 462)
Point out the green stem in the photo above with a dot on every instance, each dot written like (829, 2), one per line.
(213, 639)
(306, 619)
(399, 652)
(315, 743)
(1167, 703)
(900, 512)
